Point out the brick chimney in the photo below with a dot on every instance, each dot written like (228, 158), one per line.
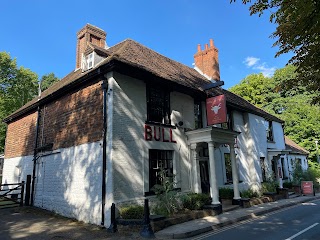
(89, 34)
(207, 61)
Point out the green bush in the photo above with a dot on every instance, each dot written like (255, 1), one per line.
(311, 174)
(195, 201)
(226, 193)
(287, 185)
(249, 193)
(269, 186)
(168, 201)
(132, 212)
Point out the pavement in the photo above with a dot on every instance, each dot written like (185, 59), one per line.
(34, 223)
(206, 224)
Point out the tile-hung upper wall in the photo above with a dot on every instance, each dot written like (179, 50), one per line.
(131, 149)
(20, 138)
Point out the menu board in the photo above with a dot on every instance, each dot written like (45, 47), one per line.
(307, 187)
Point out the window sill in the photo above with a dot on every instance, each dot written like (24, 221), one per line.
(271, 141)
(160, 124)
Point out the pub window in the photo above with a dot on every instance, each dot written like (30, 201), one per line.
(227, 161)
(159, 160)
(263, 169)
(197, 115)
(229, 123)
(158, 104)
(270, 131)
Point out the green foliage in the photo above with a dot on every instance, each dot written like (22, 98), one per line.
(132, 212)
(311, 174)
(302, 121)
(48, 80)
(195, 201)
(249, 193)
(17, 87)
(226, 193)
(287, 185)
(298, 30)
(269, 186)
(168, 201)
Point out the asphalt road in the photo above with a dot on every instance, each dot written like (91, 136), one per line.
(299, 222)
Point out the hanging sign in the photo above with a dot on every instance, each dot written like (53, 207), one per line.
(216, 110)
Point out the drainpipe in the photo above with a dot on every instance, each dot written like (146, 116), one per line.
(104, 86)
(35, 157)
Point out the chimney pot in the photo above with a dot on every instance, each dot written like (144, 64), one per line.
(207, 62)
(199, 48)
(211, 42)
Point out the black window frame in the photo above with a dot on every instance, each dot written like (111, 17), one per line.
(229, 123)
(158, 97)
(270, 132)
(198, 123)
(159, 159)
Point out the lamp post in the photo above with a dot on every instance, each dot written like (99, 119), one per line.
(316, 141)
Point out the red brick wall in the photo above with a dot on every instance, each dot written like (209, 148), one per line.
(73, 119)
(207, 61)
(20, 137)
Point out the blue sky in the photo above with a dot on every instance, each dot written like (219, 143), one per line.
(41, 34)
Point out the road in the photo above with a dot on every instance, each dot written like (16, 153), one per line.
(299, 222)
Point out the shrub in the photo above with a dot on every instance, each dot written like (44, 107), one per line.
(311, 174)
(249, 193)
(132, 212)
(195, 201)
(287, 185)
(168, 201)
(226, 193)
(269, 186)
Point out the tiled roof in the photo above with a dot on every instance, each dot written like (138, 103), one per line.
(143, 58)
(295, 148)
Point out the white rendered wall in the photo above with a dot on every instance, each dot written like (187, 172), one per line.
(251, 145)
(278, 137)
(67, 182)
(131, 150)
(13, 166)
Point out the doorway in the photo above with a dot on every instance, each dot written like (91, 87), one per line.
(204, 176)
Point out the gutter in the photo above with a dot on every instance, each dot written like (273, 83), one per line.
(104, 86)
(35, 157)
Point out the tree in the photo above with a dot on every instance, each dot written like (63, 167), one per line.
(302, 119)
(298, 31)
(48, 80)
(17, 87)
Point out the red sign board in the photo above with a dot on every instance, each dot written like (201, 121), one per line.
(216, 110)
(307, 187)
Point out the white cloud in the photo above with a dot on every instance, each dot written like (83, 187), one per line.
(250, 61)
(254, 63)
(265, 70)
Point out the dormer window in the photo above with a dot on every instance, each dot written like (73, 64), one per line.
(89, 60)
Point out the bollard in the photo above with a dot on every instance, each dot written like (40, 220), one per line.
(113, 226)
(146, 231)
(28, 184)
(22, 194)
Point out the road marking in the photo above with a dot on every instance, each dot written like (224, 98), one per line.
(235, 225)
(299, 233)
